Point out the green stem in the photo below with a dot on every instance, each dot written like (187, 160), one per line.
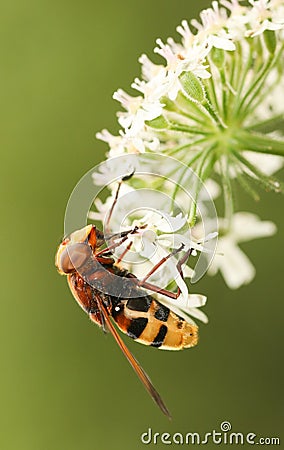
(260, 143)
(174, 151)
(235, 66)
(259, 98)
(224, 92)
(179, 182)
(228, 193)
(211, 92)
(187, 129)
(192, 117)
(255, 88)
(263, 179)
(241, 80)
(269, 124)
(203, 171)
(214, 113)
(233, 75)
(244, 180)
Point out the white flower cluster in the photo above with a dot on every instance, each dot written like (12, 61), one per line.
(213, 106)
(222, 28)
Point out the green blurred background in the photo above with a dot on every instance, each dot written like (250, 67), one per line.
(65, 385)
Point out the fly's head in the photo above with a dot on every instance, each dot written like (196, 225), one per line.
(77, 250)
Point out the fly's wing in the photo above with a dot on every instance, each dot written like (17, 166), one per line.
(134, 363)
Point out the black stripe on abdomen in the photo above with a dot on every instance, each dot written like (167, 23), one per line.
(137, 327)
(162, 312)
(139, 303)
(159, 339)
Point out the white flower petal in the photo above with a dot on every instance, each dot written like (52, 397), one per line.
(196, 300)
(247, 226)
(222, 43)
(188, 272)
(170, 224)
(234, 265)
(148, 250)
(213, 188)
(268, 164)
(197, 314)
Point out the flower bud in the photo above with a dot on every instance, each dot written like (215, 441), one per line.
(218, 57)
(159, 123)
(270, 40)
(192, 86)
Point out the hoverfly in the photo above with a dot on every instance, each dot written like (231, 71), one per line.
(91, 270)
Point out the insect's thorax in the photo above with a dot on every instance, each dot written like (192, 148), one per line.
(109, 282)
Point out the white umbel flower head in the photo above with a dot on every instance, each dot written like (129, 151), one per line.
(215, 98)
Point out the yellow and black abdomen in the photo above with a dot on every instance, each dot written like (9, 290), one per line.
(151, 323)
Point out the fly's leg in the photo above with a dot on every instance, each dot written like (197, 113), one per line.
(183, 260)
(112, 247)
(124, 235)
(153, 287)
(127, 177)
(180, 263)
(157, 289)
(95, 313)
(124, 252)
(162, 261)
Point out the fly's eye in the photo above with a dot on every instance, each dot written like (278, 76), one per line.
(74, 256)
